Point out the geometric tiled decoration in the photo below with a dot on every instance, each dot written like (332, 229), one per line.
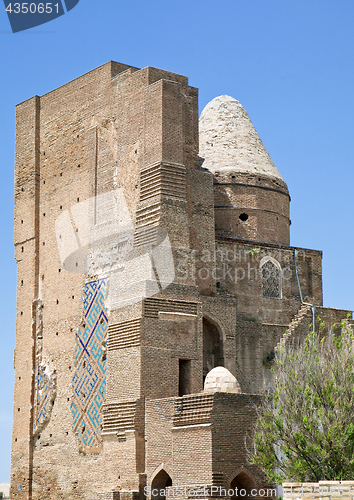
(45, 395)
(89, 380)
(271, 280)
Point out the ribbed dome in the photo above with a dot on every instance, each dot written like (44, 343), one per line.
(219, 379)
(228, 141)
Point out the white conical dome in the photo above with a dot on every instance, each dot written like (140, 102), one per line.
(228, 141)
(219, 379)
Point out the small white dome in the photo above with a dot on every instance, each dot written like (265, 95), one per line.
(228, 141)
(219, 379)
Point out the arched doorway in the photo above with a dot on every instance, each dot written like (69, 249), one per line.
(242, 485)
(212, 347)
(160, 482)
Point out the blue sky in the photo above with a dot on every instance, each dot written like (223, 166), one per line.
(289, 63)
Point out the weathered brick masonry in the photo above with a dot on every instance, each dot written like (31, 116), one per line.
(109, 391)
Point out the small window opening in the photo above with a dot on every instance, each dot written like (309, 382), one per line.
(243, 217)
(271, 280)
(184, 383)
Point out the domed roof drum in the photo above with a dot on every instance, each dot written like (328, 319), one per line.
(219, 379)
(228, 141)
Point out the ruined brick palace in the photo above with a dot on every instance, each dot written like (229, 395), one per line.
(145, 332)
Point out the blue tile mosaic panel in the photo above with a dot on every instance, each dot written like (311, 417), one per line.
(89, 379)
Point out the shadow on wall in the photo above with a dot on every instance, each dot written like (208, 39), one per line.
(160, 482)
(212, 347)
(242, 482)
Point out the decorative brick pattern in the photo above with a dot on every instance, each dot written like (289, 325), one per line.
(163, 180)
(118, 417)
(122, 335)
(152, 307)
(194, 409)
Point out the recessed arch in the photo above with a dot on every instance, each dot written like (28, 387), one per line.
(271, 275)
(268, 257)
(160, 482)
(213, 352)
(242, 484)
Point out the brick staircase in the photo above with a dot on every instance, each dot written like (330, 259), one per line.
(290, 335)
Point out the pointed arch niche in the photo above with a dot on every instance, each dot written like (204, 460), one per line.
(271, 274)
(160, 482)
(242, 482)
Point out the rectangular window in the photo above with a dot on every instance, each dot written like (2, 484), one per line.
(184, 383)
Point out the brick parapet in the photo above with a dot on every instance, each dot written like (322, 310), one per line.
(324, 490)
